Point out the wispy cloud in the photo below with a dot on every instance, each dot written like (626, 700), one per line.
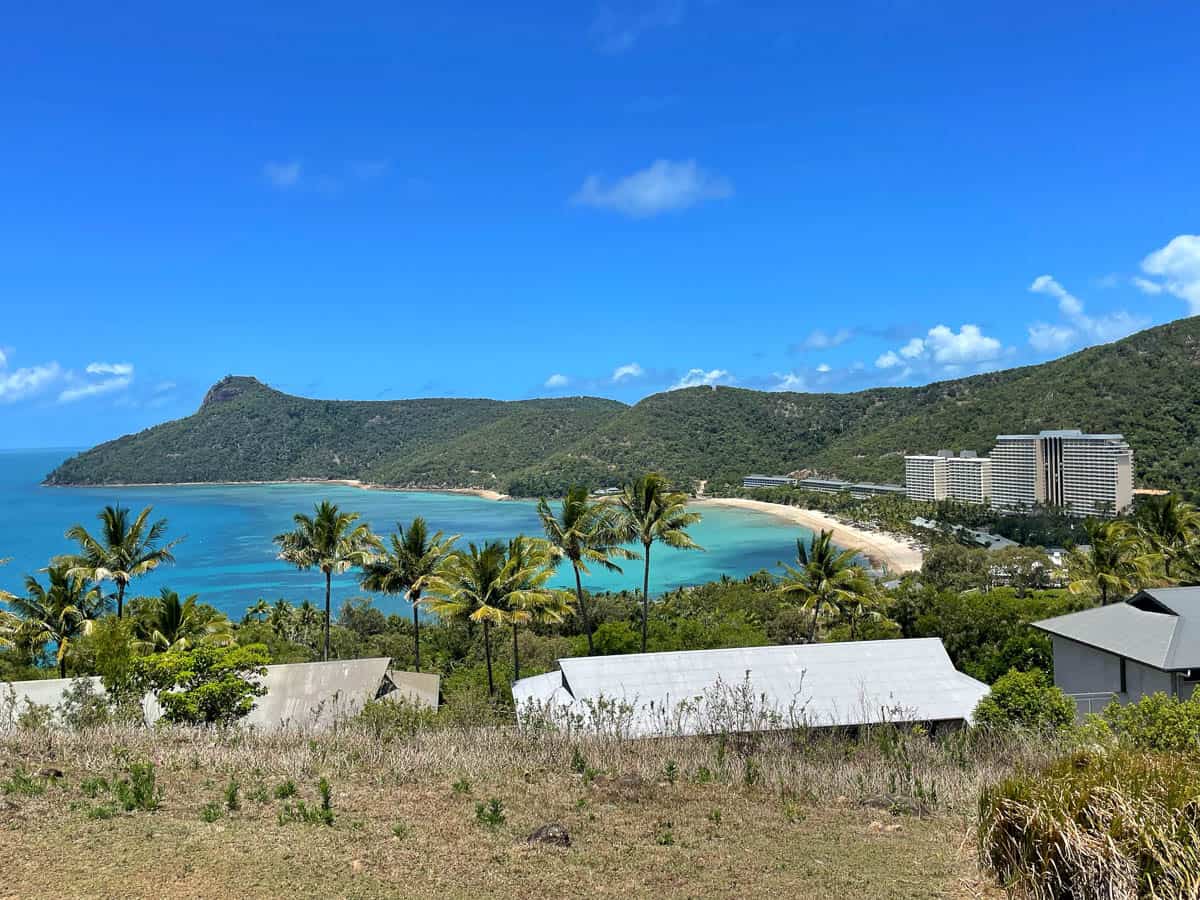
(824, 340)
(1178, 265)
(629, 370)
(701, 377)
(95, 389)
(557, 380)
(26, 382)
(618, 32)
(282, 175)
(664, 186)
(790, 381)
(1078, 326)
(103, 368)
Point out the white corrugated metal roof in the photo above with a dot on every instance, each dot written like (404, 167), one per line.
(700, 691)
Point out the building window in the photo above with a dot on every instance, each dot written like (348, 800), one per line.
(1123, 688)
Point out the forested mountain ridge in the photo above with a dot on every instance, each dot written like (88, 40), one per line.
(1146, 386)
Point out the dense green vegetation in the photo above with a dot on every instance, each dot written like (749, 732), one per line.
(1142, 386)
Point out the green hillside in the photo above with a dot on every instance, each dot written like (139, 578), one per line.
(1146, 386)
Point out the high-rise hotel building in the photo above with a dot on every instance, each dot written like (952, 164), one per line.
(1085, 474)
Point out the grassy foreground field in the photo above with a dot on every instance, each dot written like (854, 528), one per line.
(412, 816)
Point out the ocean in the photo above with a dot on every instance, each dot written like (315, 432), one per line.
(228, 558)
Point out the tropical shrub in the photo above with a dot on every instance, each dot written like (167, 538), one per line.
(205, 686)
(1125, 824)
(1025, 700)
(1157, 722)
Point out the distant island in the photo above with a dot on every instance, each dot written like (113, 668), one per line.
(1145, 386)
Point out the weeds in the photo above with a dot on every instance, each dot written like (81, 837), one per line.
(671, 771)
(232, 801)
(322, 814)
(664, 834)
(490, 814)
(462, 786)
(23, 784)
(400, 830)
(285, 790)
(210, 812)
(138, 792)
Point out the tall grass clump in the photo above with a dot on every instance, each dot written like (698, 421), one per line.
(1118, 824)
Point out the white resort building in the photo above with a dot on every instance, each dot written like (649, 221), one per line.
(1085, 474)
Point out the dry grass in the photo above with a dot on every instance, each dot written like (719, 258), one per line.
(688, 817)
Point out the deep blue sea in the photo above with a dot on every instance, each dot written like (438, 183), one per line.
(229, 560)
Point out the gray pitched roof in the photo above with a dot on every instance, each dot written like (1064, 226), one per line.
(1158, 626)
(688, 692)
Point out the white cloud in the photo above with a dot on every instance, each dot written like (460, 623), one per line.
(22, 383)
(1178, 264)
(700, 378)
(107, 386)
(164, 387)
(821, 340)
(1069, 304)
(557, 380)
(788, 381)
(1046, 337)
(103, 368)
(888, 360)
(3, 359)
(1097, 330)
(824, 367)
(913, 349)
(1146, 286)
(282, 174)
(665, 186)
(616, 33)
(968, 345)
(629, 370)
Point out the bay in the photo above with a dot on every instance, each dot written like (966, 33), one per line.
(228, 558)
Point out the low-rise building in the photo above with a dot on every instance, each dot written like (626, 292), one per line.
(753, 689)
(761, 481)
(1126, 651)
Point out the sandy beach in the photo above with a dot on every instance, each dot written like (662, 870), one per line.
(347, 482)
(897, 553)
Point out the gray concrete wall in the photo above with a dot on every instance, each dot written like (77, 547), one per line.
(1142, 681)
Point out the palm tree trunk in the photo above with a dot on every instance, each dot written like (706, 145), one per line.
(416, 633)
(812, 629)
(583, 610)
(645, 596)
(516, 656)
(62, 666)
(120, 599)
(487, 652)
(328, 590)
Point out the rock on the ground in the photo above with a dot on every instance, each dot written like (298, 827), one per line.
(552, 834)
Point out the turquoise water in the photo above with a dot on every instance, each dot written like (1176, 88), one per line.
(229, 560)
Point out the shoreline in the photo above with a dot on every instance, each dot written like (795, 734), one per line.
(898, 554)
(483, 493)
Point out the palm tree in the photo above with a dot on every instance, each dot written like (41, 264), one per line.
(525, 598)
(124, 550)
(1168, 527)
(8, 622)
(825, 576)
(56, 614)
(414, 559)
(1113, 565)
(328, 540)
(470, 588)
(653, 512)
(172, 624)
(584, 532)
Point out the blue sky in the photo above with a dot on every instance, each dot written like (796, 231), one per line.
(561, 198)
